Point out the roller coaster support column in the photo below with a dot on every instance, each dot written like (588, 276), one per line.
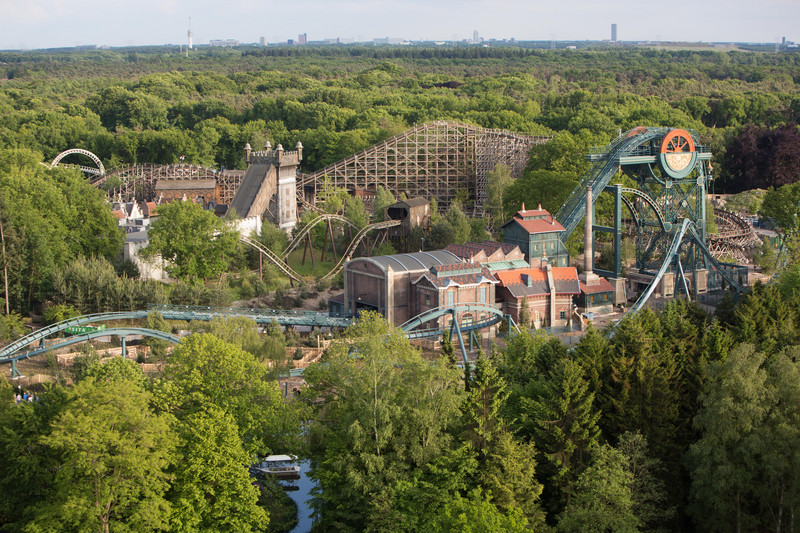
(455, 326)
(473, 340)
(124, 345)
(614, 276)
(616, 231)
(15, 373)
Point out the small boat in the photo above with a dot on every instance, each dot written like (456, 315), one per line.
(279, 466)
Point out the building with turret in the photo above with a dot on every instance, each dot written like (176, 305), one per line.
(268, 189)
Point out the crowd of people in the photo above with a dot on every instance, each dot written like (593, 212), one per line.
(25, 396)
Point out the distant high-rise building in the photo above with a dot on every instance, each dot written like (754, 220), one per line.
(302, 38)
(263, 41)
(475, 36)
(189, 33)
(614, 33)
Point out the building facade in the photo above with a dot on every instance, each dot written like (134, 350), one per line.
(547, 291)
(536, 232)
(384, 283)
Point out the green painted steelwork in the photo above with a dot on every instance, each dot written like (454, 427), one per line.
(94, 333)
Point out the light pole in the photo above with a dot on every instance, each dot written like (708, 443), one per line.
(422, 244)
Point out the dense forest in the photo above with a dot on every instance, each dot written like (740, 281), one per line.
(680, 420)
(157, 106)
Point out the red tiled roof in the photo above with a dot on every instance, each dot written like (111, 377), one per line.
(539, 226)
(537, 274)
(603, 286)
(508, 277)
(565, 280)
(119, 214)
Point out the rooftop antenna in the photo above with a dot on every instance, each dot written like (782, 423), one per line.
(189, 34)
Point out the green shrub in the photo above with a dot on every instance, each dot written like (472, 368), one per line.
(59, 312)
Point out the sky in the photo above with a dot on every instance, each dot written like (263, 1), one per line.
(31, 24)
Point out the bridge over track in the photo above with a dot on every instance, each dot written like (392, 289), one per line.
(434, 160)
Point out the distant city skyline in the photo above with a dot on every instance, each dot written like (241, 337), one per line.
(30, 24)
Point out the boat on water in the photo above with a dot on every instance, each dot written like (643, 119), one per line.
(279, 466)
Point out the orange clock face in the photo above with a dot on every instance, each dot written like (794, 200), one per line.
(678, 149)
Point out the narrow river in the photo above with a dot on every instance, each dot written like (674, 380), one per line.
(301, 497)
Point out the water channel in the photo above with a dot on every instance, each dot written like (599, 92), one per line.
(301, 497)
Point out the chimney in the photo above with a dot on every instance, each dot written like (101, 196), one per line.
(299, 148)
(588, 277)
(588, 254)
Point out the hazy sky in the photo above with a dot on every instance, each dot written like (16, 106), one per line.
(56, 23)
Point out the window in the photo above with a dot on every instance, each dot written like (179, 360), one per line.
(427, 299)
(483, 295)
(451, 297)
(605, 297)
(562, 314)
(591, 298)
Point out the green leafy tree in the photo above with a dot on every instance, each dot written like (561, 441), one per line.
(273, 238)
(566, 428)
(602, 497)
(49, 217)
(158, 347)
(648, 490)
(212, 490)
(384, 413)
(524, 314)
(195, 243)
(723, 468)
(383, 199)
(781, 205)
(204, 370)
(27, 464)
(509, 475)
(117, 370)
(477, 514)
(497, 181)
(745, 469)
(457, 220)
(11, 326)
(484, 405)
(115, 451)
(447, 351)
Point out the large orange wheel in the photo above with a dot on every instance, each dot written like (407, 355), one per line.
(677, 141)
